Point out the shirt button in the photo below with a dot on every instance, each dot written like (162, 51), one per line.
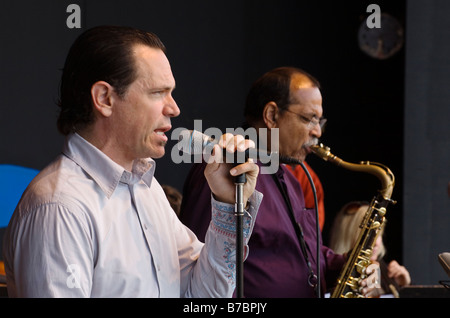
(145, 226)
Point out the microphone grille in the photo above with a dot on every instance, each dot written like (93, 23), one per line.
(191, 141)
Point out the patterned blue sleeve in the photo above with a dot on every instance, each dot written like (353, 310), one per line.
(223, 223)
(216, 265)
(224, 218)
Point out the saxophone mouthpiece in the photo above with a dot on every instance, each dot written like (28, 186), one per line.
(321, 151)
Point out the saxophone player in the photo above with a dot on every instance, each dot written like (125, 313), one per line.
(282, 261)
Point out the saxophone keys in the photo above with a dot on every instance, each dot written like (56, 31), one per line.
(361, 266)
(353, 283)
(381, 211)
(368, 253)
(375, 225)
(352, 295)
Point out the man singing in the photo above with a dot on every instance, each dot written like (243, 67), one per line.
(96, 222)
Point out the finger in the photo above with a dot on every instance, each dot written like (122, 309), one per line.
(237, 143)
(244, 144)
(227, 141)
(247, 167)
(373, 267)
(397, 272)
(363, 283)
(370, 292)
(393, 264)
(216, 156)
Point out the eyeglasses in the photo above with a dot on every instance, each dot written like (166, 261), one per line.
(310, 123)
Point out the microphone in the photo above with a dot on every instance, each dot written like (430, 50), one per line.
(194, 142)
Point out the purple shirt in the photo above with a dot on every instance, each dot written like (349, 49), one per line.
(275, 266)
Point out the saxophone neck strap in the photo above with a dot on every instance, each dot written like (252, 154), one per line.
(279, 181)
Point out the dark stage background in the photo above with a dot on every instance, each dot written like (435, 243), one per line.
(378, 110)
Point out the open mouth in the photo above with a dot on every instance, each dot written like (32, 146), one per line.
(161, 133)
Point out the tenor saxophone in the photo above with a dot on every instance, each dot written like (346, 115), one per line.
(358, 261)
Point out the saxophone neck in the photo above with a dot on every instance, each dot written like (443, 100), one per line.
(383, 173)
(324, 152)
(386, 178)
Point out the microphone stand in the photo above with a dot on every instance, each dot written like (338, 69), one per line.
(239, 212)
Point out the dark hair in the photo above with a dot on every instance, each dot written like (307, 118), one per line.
(174, 197)
(273, 86)
(103, 53)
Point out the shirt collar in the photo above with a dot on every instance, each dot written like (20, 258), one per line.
(104, 171)
(279, 173)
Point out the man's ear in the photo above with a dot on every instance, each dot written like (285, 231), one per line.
(102, 98)
(270, 115)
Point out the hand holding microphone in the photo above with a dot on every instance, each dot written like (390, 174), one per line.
(220, 175)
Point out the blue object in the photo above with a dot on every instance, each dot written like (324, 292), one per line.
(13, 181)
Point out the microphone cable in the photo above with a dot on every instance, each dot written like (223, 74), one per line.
(317, 227)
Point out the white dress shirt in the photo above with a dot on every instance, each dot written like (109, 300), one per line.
(86, 227)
